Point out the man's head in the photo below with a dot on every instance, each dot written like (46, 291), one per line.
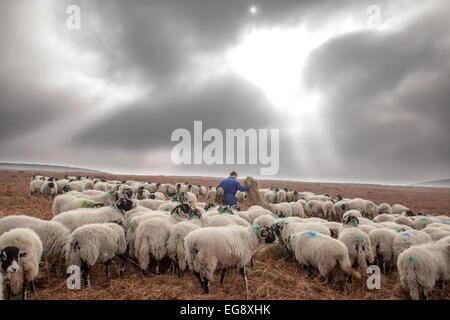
(233, 174)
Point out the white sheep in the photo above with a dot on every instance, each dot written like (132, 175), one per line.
(94, 243)
(232, 246)
(384, 208)
(67, 202)
(76, 218)
(53, 235)
(329, 211)
(382, 241)
(36, 184)
(21, 251)
(175, 244)
(406, 239)
(422, 265)
(151, 241)
(358, 245)
(399, 209)
(322, 252)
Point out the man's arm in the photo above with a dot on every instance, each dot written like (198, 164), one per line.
(220, 185)
(241, 188)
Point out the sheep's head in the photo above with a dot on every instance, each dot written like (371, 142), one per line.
(51, 185)
(78, 178)
(128, 192)
(66, 188)
(350, 220)
(125, 204)
(265, 233)
(10, 258)
(183, 210)
(279, 214)
(277, 228)
(409, 213)
(151, 196)
(182, 197)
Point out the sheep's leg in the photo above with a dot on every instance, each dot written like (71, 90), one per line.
(24, 289)
(177, 266)
(124, 263)
(206, 286)
(242, 271)
(32, 288)
(199, 278)
(85, 269)
(106, 263)
(442, 287)
(222, 277)
(251, 263)
(157, 267)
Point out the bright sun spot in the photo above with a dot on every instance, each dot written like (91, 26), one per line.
(274, 59)
(253, 10)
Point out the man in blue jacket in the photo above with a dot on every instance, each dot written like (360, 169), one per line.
(230, 186)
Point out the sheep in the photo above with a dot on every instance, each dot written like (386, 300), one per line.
(264, 220)
(202, 190)
(384, 208)
(49, 188)
(422, 265)
(398, 209)
(283, 228)
(282, 209)
(329, 211)
(232, 246)
(371, 210)
(297, 210)
(21, 251)
(175, 244)
(151, 238)
(385, 217)
(223, 220)
(421, 222)
(271, 196)
(53, 235)
(341, 207)
(358, 245)
(255, 213)
(406, 239)
(76, 218)
(125, 191)
(314, 208)
(66, 202)
(382, 241)
(151, 204)
(74, 186)
(60, 184)
(36, 184)
(322, 252)
(304, 205)
(92, 243)
(405, 221)
(437, 233)
(281, 196)
(334, 227)
(357, 204)
(241, 196)
(211, 194)
(291, 196)
(100, 186)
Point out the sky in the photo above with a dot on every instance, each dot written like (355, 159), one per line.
(359, 90)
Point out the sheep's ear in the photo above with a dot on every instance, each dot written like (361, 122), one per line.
(3, 255)
(22, 254)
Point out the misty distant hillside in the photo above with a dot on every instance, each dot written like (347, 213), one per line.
(445, 183)
(40, 167)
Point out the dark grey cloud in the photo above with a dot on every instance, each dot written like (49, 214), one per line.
(387, 100)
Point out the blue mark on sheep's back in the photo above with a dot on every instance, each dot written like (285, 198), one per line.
(406, 234)
(311, 234)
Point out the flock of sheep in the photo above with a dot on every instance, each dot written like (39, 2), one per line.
(95, 220)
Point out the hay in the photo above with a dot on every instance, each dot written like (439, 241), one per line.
(253, 195)
(219, 196)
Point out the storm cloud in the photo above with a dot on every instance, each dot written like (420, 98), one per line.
(367, 104)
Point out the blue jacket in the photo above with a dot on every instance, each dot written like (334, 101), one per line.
(230, 187)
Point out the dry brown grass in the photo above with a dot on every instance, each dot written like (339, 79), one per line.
(275, 275)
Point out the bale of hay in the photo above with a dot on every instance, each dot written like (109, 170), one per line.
(253, 195)
(219, 196)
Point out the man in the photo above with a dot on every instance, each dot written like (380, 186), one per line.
(230, 185)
